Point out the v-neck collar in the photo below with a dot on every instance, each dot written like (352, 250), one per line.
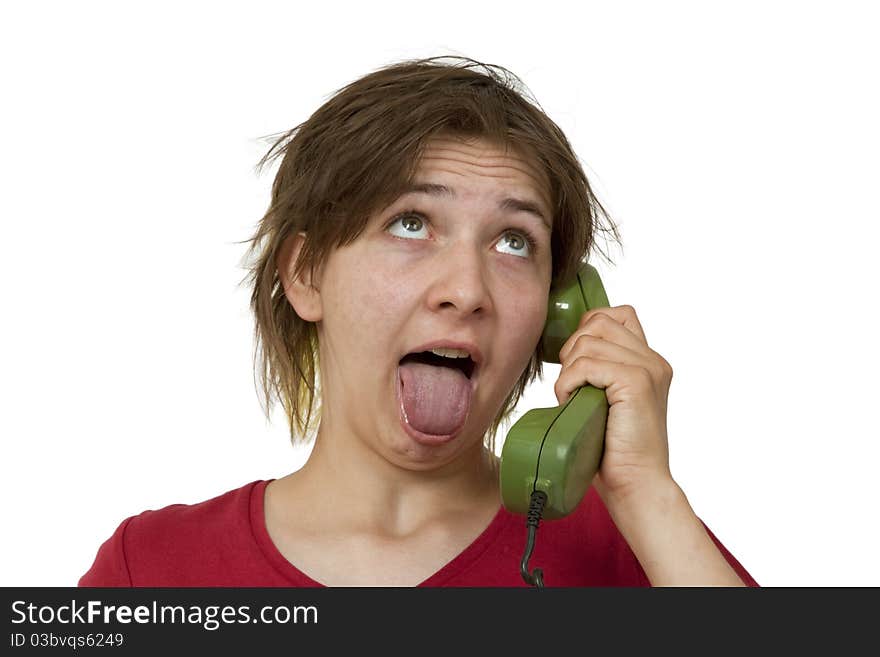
(456, 566)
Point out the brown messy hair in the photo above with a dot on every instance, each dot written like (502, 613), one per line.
(353, 157)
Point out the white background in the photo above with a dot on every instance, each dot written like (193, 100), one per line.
(735, 145)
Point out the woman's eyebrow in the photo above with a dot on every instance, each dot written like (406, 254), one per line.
(508, 204)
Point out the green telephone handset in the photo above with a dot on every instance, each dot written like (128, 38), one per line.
(552, 454)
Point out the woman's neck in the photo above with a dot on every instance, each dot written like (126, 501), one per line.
(346, 484)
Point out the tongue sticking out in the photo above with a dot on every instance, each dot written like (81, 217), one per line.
(436, 399)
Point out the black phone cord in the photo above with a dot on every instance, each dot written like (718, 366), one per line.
(533, 518)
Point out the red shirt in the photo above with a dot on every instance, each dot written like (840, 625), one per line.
(224, 542)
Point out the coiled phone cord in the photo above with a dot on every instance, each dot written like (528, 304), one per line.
(533, 518)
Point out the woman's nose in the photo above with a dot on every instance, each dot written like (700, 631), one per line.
(460, 281)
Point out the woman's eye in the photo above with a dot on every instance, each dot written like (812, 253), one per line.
(410, 222)
(521, 245)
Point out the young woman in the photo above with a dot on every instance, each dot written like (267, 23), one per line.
(418, 221)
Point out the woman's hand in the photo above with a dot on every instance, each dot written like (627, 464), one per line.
(609, 350)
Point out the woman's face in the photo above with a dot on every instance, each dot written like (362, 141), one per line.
(451, 262)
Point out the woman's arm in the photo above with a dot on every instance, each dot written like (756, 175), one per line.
(609, 350)
(668, 539)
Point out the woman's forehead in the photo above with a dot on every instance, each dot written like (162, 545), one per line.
(483, 157)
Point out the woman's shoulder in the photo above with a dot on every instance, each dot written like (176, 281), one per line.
(179, 537)
(213, 513)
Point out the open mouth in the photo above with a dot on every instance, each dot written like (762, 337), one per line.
(465, 365)
(435, 393)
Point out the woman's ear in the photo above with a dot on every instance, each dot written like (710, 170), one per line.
(305, 299)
